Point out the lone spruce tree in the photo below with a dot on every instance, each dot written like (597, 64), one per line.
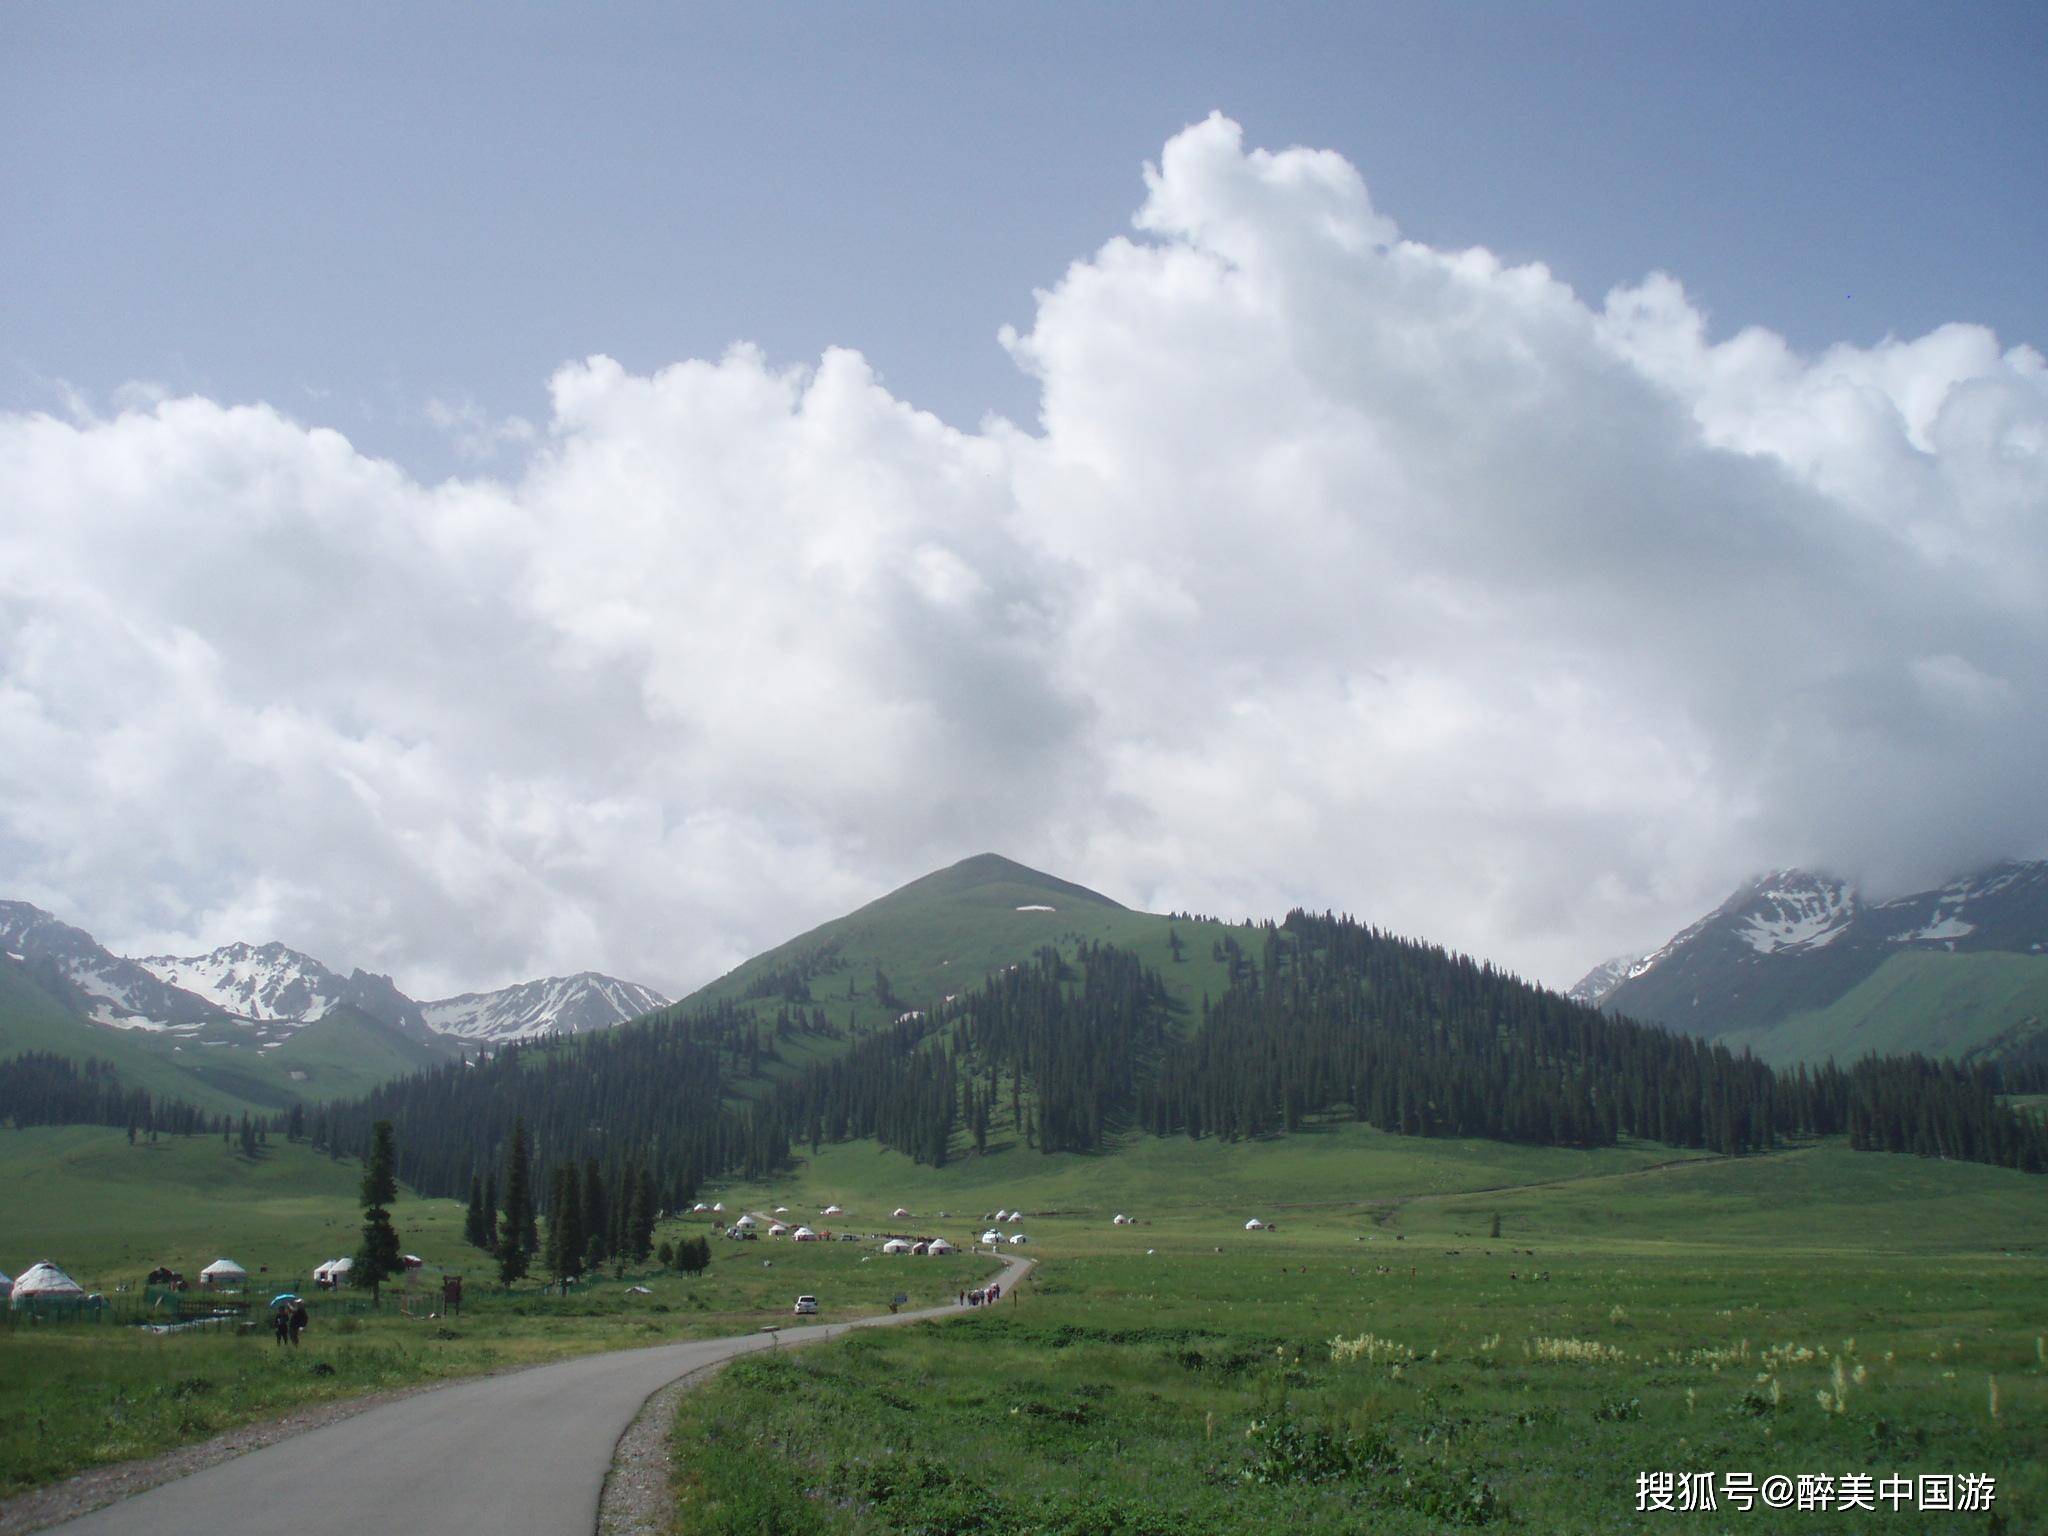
(518, 1217)
(378, 1259)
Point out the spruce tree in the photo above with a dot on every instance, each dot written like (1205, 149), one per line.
(518, 1221)
(378, 1258)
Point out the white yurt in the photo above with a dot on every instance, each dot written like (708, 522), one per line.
(720, 1206)
(895, 1245)
(45, 1282)
(1017, 1238)
(334, 1272)
(782, 1210)
(1119, 1220)
(1254, 1225)
(833, 1210)
(805, 1235)
(991, 1236)
(939, 1245)
(776, 1229)
(899, 1212)
(699, 1208)
(223, 1275)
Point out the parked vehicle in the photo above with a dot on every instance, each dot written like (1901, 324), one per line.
(806, 1306)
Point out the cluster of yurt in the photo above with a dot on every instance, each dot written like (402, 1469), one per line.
(334, 1274)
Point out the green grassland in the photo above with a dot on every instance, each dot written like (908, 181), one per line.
(945, 933)
(32, 1020)
(76, 1395)
(1939, 1004)
(1812, 1311)
(220, 1068)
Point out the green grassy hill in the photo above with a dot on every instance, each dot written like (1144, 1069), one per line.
(32, 1020)
(108, 1212)
(943, 934)
(1959, 1005)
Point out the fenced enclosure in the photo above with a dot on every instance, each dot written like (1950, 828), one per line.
(166, 1306)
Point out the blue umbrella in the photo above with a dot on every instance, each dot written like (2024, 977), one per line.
(286, 1296)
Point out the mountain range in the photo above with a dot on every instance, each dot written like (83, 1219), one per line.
(1799, 966)
(262, 1022)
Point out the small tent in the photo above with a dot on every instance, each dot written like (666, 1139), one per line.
(334, 1273)
(1120, 1220)
(899, 1213)
(782, 1210)
(939, 1245)
(223, 1275)
(699, 1208)
(719, 1207)
(895, 1245)
(833, 1210)
(1017, 1239)
(45, 1284)
(1254, 1225)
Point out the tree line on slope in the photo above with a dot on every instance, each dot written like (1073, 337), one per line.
(1323, 1017)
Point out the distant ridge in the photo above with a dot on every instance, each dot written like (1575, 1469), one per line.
(1798, 966)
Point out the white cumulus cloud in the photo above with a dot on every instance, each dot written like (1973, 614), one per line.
(1337, 570)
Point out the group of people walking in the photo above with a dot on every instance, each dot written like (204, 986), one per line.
(982, 1298)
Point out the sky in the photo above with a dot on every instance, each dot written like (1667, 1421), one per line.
(489, 497)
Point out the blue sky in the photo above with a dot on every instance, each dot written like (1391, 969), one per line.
(488, 492)
(350, 211)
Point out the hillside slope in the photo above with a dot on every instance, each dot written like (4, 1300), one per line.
(943, 934)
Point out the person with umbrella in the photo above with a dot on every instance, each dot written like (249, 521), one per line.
(281, 1316)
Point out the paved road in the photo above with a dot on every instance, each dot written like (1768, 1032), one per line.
(523, 1454)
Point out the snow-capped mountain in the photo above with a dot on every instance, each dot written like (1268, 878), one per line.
(1794, 941)
(69, 964)
(554, 1005)
(276, 991)
(1603, 979)
(268, 983)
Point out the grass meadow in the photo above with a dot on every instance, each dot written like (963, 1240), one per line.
(79, 1395)
(1384, 1363)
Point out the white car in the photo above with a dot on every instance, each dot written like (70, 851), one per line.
(806, 1306)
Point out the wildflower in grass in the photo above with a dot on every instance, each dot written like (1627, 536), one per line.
(1370, 1348)
(1779, 1356)
(1574, 1351)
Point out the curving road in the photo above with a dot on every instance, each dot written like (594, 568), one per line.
(523, 1454)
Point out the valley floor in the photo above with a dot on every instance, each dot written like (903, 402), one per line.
(1380, 1360)
(1385, 1363)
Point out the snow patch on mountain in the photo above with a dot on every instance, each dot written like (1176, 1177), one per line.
(1605, 977)
(564, 1005)
(266, 982)
(1790, 909)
